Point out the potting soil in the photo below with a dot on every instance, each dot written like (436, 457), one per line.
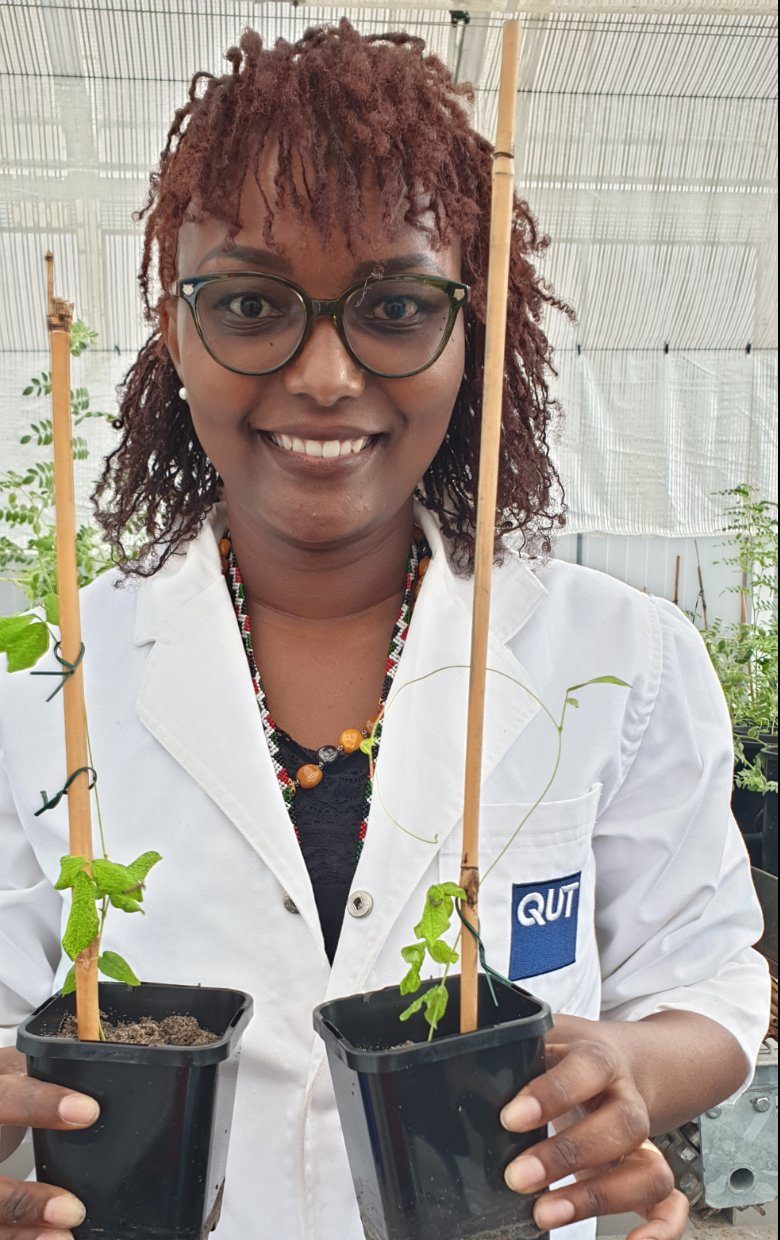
(521, 1230)
(171, 1031)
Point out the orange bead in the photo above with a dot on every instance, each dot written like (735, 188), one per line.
(423, 567)
(309, 776)
(350, 740)
(224, 547)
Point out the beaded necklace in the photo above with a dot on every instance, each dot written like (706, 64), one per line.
(416, 567)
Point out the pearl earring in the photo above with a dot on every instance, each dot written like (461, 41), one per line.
(183, 393)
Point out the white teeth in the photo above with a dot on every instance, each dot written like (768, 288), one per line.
(329, 448)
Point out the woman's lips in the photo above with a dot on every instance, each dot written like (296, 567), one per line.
(329, 448)
(321, 453)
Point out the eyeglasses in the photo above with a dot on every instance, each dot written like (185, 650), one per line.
(253, 324)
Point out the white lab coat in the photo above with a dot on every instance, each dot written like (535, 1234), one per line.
(627, 892)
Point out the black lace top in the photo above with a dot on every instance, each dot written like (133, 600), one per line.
(327, 818)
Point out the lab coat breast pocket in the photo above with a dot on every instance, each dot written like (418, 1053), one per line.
(537, 897)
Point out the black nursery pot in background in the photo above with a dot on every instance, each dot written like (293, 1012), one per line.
(769, 825)
(420, 1119)
(153, 1166)
(756, 812)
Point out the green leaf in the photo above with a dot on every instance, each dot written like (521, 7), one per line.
(442, 953)
(24, 639)
(112, 965)
(435, 920)
(128, 904)
(51, 606)
(367, 745)
(599, 680)
(142, 865)
(570, 701)
(411, 981)
(452, 889)
(69, 985)
(413, 1008)
(83, 923)
(434, 1001)
(113, 879)
(414, 954)
(69, 868)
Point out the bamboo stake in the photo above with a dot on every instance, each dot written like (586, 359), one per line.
(60, 317)
(702, 595)
(503, 188)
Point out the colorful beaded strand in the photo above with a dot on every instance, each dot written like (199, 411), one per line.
(288, 785)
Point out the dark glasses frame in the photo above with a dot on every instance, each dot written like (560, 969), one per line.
(189, 288)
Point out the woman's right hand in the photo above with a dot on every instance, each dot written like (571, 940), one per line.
(31, 1211)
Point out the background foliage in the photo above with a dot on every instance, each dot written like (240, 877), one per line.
(27, 546)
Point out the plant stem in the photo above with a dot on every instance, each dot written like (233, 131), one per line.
(97, 797)
(542, 794)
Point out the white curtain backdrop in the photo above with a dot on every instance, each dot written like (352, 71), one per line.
(646, 148)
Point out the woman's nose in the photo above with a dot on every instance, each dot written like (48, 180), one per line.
(323, 369)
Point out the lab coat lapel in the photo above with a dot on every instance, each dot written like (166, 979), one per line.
(197, 700)
(418, 791)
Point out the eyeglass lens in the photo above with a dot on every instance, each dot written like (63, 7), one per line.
(253, 324)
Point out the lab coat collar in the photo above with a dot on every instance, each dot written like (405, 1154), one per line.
(196, 698)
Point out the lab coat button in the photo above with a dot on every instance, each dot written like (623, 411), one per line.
(290, 904)
(360, 904)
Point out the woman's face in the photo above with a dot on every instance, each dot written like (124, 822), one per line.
(322, 395)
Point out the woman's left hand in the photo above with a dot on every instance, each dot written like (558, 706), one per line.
(588, 1066)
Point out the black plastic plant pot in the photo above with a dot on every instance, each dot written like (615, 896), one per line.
(420, 1119)
(153, 1166)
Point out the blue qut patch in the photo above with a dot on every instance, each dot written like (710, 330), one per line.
(544, 926)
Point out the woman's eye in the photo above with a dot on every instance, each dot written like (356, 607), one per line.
(397, 309)
(248, 306)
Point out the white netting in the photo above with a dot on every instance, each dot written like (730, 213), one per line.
(646, 147)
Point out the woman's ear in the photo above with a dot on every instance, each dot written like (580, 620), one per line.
(167, 315)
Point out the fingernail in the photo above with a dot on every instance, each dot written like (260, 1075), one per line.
(77, 1109)
(64, 1212)
(557, 1213)
(525, 1174)
(521, 1114)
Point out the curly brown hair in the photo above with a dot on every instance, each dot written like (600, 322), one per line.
(352, 105)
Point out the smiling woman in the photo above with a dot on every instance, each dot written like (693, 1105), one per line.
(300, 450)
(374, 172)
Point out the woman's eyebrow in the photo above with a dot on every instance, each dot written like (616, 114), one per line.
(269, 260)
(402, 262)
(248, 254)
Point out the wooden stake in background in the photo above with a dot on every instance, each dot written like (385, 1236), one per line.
(503, 189)
(60, 317)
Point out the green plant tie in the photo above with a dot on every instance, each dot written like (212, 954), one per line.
(66, 673)
(490, 974)
(50, 802)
